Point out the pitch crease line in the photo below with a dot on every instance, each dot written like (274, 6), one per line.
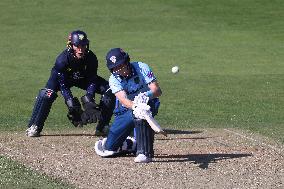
(278, 150)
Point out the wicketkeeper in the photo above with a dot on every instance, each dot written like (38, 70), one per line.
(136, 90)
(76, 66)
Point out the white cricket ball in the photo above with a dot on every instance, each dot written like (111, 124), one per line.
(175, 69)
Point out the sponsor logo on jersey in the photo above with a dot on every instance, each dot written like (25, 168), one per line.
(77, 75)
(150, 74)
(147, 72)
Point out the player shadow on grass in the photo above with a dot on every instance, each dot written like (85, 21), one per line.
(202, 159)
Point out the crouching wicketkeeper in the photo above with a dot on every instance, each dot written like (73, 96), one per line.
(75, 66)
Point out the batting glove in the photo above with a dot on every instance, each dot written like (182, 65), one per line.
(140, 110)
(141, 98)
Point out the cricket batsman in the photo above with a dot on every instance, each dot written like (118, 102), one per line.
(76, 66)
(137, 91)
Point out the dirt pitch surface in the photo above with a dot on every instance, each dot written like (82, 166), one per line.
(207, 158)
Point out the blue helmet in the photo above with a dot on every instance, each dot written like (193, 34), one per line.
(78, 37)
(116, 57)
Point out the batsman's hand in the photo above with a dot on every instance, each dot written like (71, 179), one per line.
(140, 110)
(74, 112)
(92, 111)
(141, 98)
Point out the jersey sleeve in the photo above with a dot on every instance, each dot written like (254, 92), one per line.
(60, 69)
(65, 91)
(92, 70)
(115, 84)
(146, 73)
(61, 63)
(92, 65)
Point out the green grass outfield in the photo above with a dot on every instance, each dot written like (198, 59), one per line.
(230, 54)
(14, 175)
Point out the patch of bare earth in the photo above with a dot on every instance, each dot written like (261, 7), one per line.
(211, 158)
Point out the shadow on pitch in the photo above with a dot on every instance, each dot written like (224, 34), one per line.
(68, 135)
(184, 138)
(175, 131)
(169, 131)
(203, 160)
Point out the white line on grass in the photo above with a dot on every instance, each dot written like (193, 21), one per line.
(278, 150)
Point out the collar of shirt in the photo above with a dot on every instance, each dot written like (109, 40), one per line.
(133, 73)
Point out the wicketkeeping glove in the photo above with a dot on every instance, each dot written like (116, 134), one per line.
(92, 111)
(74, 112)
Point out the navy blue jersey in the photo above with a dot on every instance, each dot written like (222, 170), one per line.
(75, 69)
(70, 71)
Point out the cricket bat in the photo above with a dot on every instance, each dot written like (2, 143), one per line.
(154, 124)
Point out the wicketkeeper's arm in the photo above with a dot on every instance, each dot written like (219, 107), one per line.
(65, 91)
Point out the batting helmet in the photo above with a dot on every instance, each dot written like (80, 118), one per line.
(78, 37)
(116, 57)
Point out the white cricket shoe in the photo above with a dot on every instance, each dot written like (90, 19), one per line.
(99, 148)
(33, 131)
(141, 158)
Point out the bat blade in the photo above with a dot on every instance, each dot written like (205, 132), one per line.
(154, 124)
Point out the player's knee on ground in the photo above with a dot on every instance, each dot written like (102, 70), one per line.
(128, 146)
(121, 128)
